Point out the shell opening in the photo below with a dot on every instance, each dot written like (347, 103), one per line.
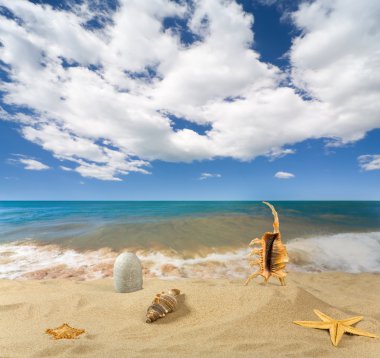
(269, 249)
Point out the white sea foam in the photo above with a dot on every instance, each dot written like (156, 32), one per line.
(350, 252)
(19, 259)
(214, 265)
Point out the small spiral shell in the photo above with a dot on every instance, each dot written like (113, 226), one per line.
(162, 304)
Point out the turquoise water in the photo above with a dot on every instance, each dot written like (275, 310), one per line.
(24, 212)
(182, 239)
(45, 220)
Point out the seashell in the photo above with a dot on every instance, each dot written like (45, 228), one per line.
(162, 304)
(127, 273)
(272, 256)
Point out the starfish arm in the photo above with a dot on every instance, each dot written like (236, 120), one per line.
(339, 331)
(323, 317)
(314, 324)
(351, 321)
(359, 332)
(333, 331)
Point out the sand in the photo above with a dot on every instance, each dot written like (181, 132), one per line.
(215, 318)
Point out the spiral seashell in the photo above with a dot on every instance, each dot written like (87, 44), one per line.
(272, 256)
(162, 304)
(127, 273)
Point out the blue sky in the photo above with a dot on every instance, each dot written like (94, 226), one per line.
(309, 143)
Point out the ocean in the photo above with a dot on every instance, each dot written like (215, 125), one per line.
(203, 239)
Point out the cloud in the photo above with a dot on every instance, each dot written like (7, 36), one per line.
(106, 96)
(276, 153)
(32, 164)
(369, 162)
(284, 175)
(205, 176)
(336, 61)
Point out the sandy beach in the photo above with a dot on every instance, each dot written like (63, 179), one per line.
(216, 318)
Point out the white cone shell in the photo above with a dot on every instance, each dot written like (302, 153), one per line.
(127, 273)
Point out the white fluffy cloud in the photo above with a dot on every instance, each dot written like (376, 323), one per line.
(284, 175)
(205, 176)
(32, 164)
(369, 162)
(103, 98)
(337, 61)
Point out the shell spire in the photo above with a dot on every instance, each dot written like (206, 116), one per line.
(276, 222)
(162, 304)
(272, 256)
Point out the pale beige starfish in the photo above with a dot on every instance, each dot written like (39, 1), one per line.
(336, 327)
(65, 332)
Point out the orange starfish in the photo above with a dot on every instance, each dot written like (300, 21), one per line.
(336, 327)
(65, 332)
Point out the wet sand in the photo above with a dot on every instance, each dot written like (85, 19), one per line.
(216, 318)
(199, 233)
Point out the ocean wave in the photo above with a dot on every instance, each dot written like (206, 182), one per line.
(350, 252)
(28, 259)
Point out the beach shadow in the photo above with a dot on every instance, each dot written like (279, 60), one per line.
(182, 311)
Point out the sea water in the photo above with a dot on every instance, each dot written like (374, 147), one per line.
(182, 238)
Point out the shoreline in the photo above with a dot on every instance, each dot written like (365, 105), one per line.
(346, 252)
(216, 317)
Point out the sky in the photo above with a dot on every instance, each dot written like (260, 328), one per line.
(190, 100)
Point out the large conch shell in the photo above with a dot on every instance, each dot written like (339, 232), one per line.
(273, 256)
(162, 304)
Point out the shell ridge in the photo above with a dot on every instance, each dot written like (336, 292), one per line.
(162, 304)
